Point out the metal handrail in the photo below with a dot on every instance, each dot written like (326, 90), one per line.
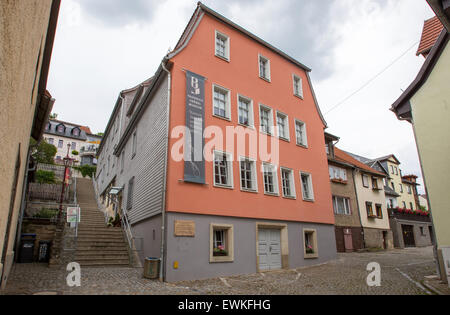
(127, 229)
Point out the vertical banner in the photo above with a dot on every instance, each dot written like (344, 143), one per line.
(194, 161)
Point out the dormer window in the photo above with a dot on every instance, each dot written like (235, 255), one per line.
(61, 128)
(76, 132)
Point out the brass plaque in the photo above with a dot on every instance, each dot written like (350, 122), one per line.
(184, 228)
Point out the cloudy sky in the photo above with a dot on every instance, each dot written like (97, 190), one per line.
(362, 55)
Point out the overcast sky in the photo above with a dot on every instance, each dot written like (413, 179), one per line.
(105, 46)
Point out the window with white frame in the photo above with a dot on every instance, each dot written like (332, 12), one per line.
(307, 187)
(409, 189)
(264, 68)
(288, 184)
(222, 46)
(337, 173)
(223, 169)
(221, 102)
(298, 86)
(401, 188)
(134, 148)
(248, 174)
(221, 243)
(270, 179)
(50, 140)
(283, 126)
(245, 111)
(341, 205)
(365, 180)
(300, 133)
(60, 143)
(266, 119)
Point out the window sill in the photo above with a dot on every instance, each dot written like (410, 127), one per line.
(290, 197)
(337, 181)
(302, 146)
(266, 133)
(222, 58)
(265, 79)
(272, 194)
(223, 186)
(285, 139)
(311, 256)
(249, 191)
(221, 259)
(299, 96)
(221, 117)
(308, 200)
(247, 126)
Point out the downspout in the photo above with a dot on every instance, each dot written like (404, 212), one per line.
(163, 215)
(23, 203)
(359, 212)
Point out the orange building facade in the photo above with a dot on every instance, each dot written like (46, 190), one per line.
(250, 213)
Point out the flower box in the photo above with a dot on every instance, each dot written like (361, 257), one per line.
(219, 252)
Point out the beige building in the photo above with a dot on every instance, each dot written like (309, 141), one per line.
(426, 105)
(27, 30)
(371, 199)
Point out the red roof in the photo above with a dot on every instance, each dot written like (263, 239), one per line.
(432, 28)
(344, 157)
(86, 129)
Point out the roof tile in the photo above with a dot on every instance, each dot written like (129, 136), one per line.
(432, 28)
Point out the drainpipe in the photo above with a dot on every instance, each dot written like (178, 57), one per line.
(163, 215)
(23, 203)
(359, 212)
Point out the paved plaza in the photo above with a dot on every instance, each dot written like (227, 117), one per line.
(402, 272)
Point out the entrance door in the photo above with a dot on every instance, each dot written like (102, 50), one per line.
(269, 249)
(408, 235)
(348, 240)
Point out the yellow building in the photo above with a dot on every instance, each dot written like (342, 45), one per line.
(27, 30)
(426, 105)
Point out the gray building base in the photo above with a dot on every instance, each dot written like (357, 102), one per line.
(189, 258)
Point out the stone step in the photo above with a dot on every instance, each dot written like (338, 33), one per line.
(101, 253)
(105, 263)
(101, 257)
(99, 229)
(100, 243)
(95, 238)
(98, 249)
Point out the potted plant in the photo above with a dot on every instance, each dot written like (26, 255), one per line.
(220, 251)
(309, 249)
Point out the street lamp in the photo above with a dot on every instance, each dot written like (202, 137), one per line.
(67, 163)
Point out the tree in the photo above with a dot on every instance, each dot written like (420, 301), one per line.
(45, 177)
(75, 152)
(53, 116)
(101, 134)
(43, 152)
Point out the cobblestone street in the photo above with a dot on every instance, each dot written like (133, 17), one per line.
(402, 272)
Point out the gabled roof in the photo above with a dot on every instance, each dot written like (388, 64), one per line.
(402, 106)
(432, 28)
(344, 157)
(385, 158)
(389, 191)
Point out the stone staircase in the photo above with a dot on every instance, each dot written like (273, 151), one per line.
(97, 244)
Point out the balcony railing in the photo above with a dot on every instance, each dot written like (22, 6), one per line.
(409, 214)
(91, 150)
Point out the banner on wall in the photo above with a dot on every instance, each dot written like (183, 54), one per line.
(194, 161)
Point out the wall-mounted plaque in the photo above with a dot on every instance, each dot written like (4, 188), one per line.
(184, 228)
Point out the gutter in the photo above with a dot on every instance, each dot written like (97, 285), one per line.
(162, 268)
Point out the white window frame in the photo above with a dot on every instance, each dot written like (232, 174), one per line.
(218, 34)
(230, 178)
(298, 93)
(267, 68)
(227, 103)
(286, 126)
(304, 131)
(337, 172)
(347, 210)
(253, 174)
(310, 186)
(274, 170)
(293, 194)
(251, 114)
(134, 144)
(271, 123)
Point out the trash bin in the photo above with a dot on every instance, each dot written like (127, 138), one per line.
(151, 268)
(26, 254)
(44, 251)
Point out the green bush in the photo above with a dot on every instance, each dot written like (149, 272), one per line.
(86, 170)
(45, 213)
(45, 177)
